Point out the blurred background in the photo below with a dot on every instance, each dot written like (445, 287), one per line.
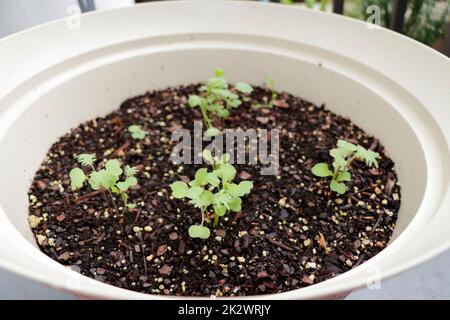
(426, 21)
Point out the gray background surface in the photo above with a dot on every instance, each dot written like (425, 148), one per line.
(428, 281)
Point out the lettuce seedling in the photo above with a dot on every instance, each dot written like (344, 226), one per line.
(106, 179)
(217, 98)
(137, 132)
(344, 155)
(212, 190)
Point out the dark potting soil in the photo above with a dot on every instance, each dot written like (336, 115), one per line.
(292, 231)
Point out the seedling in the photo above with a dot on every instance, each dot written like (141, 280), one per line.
(106, 179)
(137, 132)
(270, 83)
(212, 190)
(344, 155)
(216, 98)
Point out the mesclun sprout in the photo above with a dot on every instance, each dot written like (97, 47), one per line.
(270, 83)
(212, 190)
(137, 132)
(217, 98)
(107, 179)
(344, 155)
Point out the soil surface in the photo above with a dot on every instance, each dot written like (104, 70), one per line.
(292, 231)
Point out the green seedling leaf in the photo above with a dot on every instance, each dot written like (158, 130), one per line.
(336, 153)
(217, 83)
(213, 106)
(226, 172)
(222, 198)
(107, 178)
(344, 176)
(216, 99)
(220, 209)
(201, 177)
(235, 204)
(179, 189)
(245, 187)
(101, 179)
(338, 187)
(201, 232)
(113, 167)
(241, 189)
(244, 87)
(321, 170)
(77, 178)
(219, 72)
(231, 96)
(235, 103)
(223, 93)
(86, 159)
(368, 156)
(130, 171)
(128, 183)
(202, 190)
(194, 192)
(110, 180)
(212, 132)
(137, 132)
(95, 180)
(207, 155)
(223, 113)
(131, 205)
(339, 162)
(224, 158)
(205, 199)
(115, 189)
(213, 179)
(270, 83)
(194, 101)
(233, 189)
(345, 146)
(344, 155)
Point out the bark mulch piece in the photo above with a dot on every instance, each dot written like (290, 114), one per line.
(291, 233)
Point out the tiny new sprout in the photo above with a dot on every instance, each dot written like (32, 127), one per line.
(214, 190)
(343, 156)
(107, 179)
(217, 98)
(137, 132)
(270, 83)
